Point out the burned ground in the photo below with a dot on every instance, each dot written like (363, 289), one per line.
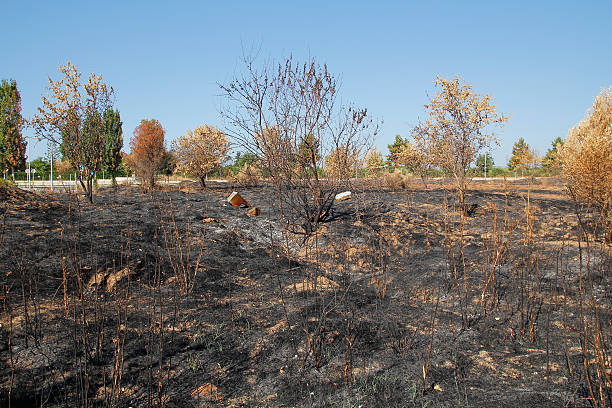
(175, 298)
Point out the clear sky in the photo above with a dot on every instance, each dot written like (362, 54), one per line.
(542, 61)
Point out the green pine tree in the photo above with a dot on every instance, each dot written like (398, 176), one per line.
(520, 151)
(113, 142)
(12, 144)
(551, 160)
(480, 162)
(394, 150)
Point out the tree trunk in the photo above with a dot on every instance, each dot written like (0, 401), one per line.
(86, 188)
(423, 181)
(203, 181)
(90, 192)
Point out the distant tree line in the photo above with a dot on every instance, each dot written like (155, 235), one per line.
(284, 142)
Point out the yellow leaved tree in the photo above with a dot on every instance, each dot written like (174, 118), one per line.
(414, 159)
(459, 126)
(201, 151)
(374, 162)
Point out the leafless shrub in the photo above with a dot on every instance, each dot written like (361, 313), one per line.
(183, 250)
(289, 115)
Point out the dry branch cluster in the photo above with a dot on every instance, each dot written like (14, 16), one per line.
(289, 115)
(586, 155)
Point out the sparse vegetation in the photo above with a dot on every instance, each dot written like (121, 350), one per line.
(459, 126)
(393, 294)
(290, 116)
(400, 300)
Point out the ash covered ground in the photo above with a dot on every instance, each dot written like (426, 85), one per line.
(175, 298)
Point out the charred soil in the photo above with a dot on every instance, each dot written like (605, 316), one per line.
(175, 298)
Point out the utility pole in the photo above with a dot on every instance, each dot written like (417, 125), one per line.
(52, 154)
(52, 151)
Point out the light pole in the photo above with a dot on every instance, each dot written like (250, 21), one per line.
(29, 172)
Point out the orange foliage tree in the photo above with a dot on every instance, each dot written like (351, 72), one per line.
(148, 150)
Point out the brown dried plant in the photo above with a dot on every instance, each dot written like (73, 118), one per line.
(414, 159)
(341, 163)
(148, 150)
(249, 175)
(374, 162)
(586, 155)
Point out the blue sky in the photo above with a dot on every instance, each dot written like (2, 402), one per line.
(543, 62)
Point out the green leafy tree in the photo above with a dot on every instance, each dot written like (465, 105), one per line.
(480, 162)
(12, 145)
(169, 163)
(113, 142)
(242, 159)
(82, 144)
(74, 110)
(395, 149)
(42, 167)
(551, 161)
